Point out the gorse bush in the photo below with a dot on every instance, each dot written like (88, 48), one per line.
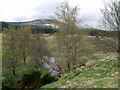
(36, 79)
(31, 80)
(48, 78)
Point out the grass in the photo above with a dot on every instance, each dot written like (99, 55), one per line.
(101, 73)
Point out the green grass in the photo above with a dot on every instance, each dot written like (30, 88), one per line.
(50, 42)
(99, 74)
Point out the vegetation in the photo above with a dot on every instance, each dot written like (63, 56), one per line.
(30, 80)
(94, 33)
(100, 72)
(88, 58)
(21, 51)
(44, 29)
(35, 29)
(111, 18)
(87, 55)
(69, 37)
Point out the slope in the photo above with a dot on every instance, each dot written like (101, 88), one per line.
(100, 72)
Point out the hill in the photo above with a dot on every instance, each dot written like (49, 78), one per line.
(51, 26)
(100, 72)
(37, 22)
(40, 22)
(38, 26)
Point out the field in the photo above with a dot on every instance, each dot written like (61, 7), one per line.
(69, 50)
(101, 68)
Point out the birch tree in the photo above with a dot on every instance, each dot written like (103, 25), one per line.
(69, 37)
(10, 48)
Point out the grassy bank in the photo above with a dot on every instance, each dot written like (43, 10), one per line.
(100, 72)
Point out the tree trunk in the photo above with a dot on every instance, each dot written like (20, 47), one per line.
(13, 66)
(13, 70)
(68, 66)
(74, 61)
(24, 58)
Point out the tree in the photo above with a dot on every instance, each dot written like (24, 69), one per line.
(10, 47)
(4, 25)
(38, 49)
(16, 45)
(68, 37)
(111, 17)
(24, 45)
(20, 45)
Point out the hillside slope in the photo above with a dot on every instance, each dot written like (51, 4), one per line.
(100, 72)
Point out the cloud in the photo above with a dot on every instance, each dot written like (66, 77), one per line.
(26, 10)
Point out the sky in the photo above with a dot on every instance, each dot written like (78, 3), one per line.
(26, 10)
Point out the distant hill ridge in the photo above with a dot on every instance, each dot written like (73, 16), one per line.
(38, 25)
(37, 22)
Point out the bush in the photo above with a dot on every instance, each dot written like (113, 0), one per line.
(8, 83)
(48, 78)
(93, 33)
(31, 80)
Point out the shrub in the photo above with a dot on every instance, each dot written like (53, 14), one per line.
(93, 33)
(31, 80)
(48, 78)
(8, 83)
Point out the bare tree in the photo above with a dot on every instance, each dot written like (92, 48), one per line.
(69, 36)
(111, 17)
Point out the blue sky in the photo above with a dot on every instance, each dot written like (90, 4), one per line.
(26, 10)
